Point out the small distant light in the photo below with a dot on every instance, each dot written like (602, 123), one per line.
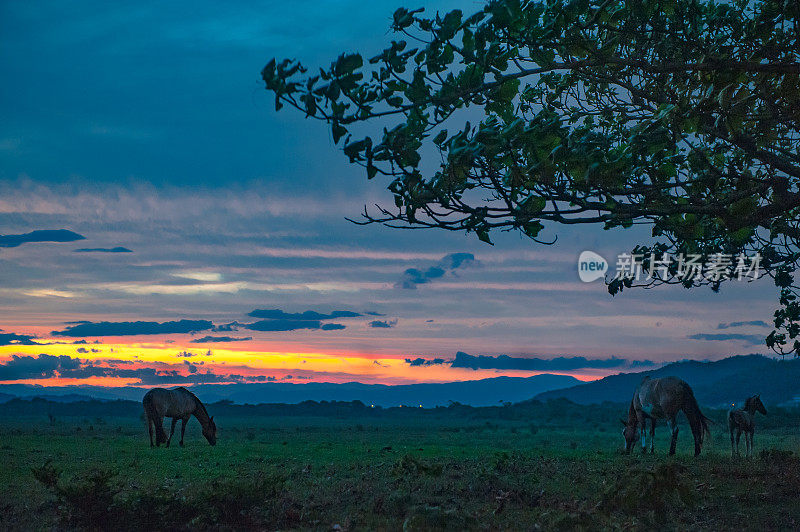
(420, 406)
(372, 406)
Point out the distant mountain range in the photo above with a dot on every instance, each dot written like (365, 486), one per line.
(4, 397)
(715, 384)
(485, 392)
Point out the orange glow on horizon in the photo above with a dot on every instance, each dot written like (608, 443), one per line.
(247, 362)
(89, 381)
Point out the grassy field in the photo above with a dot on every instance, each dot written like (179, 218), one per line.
(415, 472)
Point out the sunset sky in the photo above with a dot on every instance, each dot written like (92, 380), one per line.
(201, 236)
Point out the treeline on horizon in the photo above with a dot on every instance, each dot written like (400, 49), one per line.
(554, 412)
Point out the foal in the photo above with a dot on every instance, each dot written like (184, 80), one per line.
(743, 420)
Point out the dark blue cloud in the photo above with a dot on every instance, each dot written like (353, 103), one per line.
(104, 250)
(282, 325)
(453, 261)
(308, 315)
(16, 339)
(153, 376)
(751, 339)
(132, 328)
(425, 362)
(279, 325)
(45, 366)
(227, 327)
(449, 263)
(276, 320)
(754, 323)
(210, 339)
(463, 360)
(189, 354)
(42, 235)
(379, 324)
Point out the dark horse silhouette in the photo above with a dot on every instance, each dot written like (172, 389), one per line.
(177, 403)
(743, 420)
(662, 399)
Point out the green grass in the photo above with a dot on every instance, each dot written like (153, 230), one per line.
(419, 472)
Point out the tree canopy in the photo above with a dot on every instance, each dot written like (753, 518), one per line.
(683, 115)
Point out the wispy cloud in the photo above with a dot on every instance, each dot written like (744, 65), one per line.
(277, 314)
(133, 328)
(754, 323)
(219, 339)
(118, 249)
(562, 363)
(750, 339)
(170, 289)
(200, 276)
(50, 292)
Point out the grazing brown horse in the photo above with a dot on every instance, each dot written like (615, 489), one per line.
(177, 403)
(743, 420)
(662, 399)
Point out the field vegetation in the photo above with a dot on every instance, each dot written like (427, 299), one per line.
(347, 466)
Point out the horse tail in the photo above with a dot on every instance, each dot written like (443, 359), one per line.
(152, 416)
(697, 420)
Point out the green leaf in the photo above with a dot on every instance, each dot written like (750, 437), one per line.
(338, 131)
(532, 229)
(509, 89)
(450, 24)
(347, 63)
(534, 204)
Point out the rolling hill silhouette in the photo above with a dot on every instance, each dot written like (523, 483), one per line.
(717, 383)
(484, 392)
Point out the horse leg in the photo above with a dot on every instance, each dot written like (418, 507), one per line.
(738, 436)
(172, 430)
(697, 433)
(183, 428)
(750, 444)
(652, 435)
(673, 425)
(160, 435)
(733, 447)
(150, 429)
(643, 433)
